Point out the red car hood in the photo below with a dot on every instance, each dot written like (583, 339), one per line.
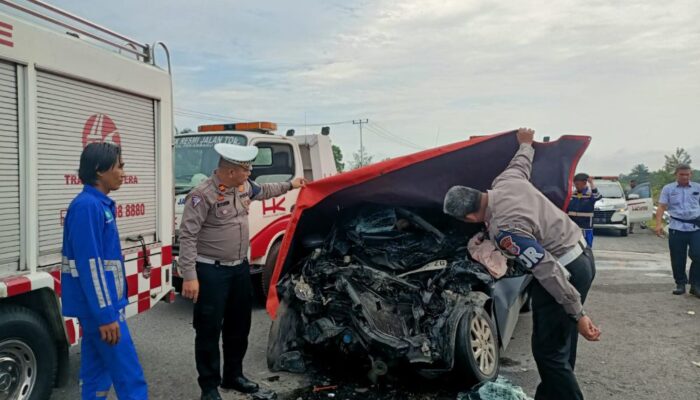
(421, 180)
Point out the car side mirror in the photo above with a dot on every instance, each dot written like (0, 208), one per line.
(632, 196)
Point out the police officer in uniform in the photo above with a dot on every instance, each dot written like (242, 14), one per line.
(582, 205)
(524, 224)
(213, 248)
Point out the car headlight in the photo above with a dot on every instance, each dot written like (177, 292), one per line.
(622, 210)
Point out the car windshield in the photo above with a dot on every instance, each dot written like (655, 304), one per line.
(195, 158)
(610, 190)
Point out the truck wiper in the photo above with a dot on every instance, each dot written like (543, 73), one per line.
(183, 189)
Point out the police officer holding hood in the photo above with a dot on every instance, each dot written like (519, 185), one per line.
(524, 224)
(214, 242)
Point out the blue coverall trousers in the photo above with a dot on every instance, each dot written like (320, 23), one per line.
(103, 365)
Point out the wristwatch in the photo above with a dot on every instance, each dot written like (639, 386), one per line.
(578, 316)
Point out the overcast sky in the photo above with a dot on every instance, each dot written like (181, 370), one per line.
(434, 72)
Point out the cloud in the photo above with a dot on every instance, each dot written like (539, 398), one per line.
(625, 73)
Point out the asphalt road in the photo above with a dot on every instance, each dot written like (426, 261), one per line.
(649, 342)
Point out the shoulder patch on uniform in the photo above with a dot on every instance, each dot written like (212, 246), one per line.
(527, 250)
(506, 243)
(255, 188)
(196, 200)
(108, 216)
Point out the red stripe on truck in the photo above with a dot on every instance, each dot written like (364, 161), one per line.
(261, 241)
(156, 278)
(144, 301)
(132, 285)
(18, 285)
(166, 255)
(56, 275)
(70, 330)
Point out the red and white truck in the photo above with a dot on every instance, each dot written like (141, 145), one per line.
(280, 159)
(66, 82)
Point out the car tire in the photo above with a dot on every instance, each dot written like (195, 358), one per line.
(476, 348)
(284, 335)
(27, 355)
(624, 232)
(269, 268)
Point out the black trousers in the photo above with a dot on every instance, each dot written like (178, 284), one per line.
(555, 336)
(224, 306)
(681, 245)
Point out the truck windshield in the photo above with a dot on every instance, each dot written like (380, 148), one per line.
(195, 158)
(610, 190)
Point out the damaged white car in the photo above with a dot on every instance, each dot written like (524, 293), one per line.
(371, 268)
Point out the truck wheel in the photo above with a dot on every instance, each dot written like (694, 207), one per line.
(28, 359)
(476, 349)
(269, 268)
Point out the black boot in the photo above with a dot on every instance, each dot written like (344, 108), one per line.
(211, 394)
(680, 289)
(695, 292)
(241, 384)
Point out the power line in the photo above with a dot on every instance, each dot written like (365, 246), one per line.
(209, 115)
(392, 139)
(219, 117)
(395, 139)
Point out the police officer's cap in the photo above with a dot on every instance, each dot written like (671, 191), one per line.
(233, 153)
(461, 200)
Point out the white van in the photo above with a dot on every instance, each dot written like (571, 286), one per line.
(617, 211)
(611, 211)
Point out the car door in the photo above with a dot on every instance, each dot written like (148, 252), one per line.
(640, 204)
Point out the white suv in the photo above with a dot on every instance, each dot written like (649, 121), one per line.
(614, 211)
(611, 211)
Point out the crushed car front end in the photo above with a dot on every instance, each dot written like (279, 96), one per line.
(371, 267)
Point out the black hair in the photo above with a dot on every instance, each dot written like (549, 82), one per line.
(682, 167)
(97, 157)
(581, 177)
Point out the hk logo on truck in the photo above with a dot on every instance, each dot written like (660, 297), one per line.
(100, 128)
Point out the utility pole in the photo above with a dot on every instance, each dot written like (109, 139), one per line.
(362, 148)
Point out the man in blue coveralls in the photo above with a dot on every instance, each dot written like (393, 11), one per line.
(93, 283)
(582, 205)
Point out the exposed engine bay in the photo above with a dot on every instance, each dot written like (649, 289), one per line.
(393, 284)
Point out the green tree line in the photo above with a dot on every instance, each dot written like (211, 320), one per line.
(663, 176)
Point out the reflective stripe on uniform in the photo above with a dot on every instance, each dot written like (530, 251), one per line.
(573, 254)
(104, 280)
(580, 214)
(116, 267)
(96, 284)
(68, 267)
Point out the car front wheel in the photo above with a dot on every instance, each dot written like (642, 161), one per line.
(476, 350)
